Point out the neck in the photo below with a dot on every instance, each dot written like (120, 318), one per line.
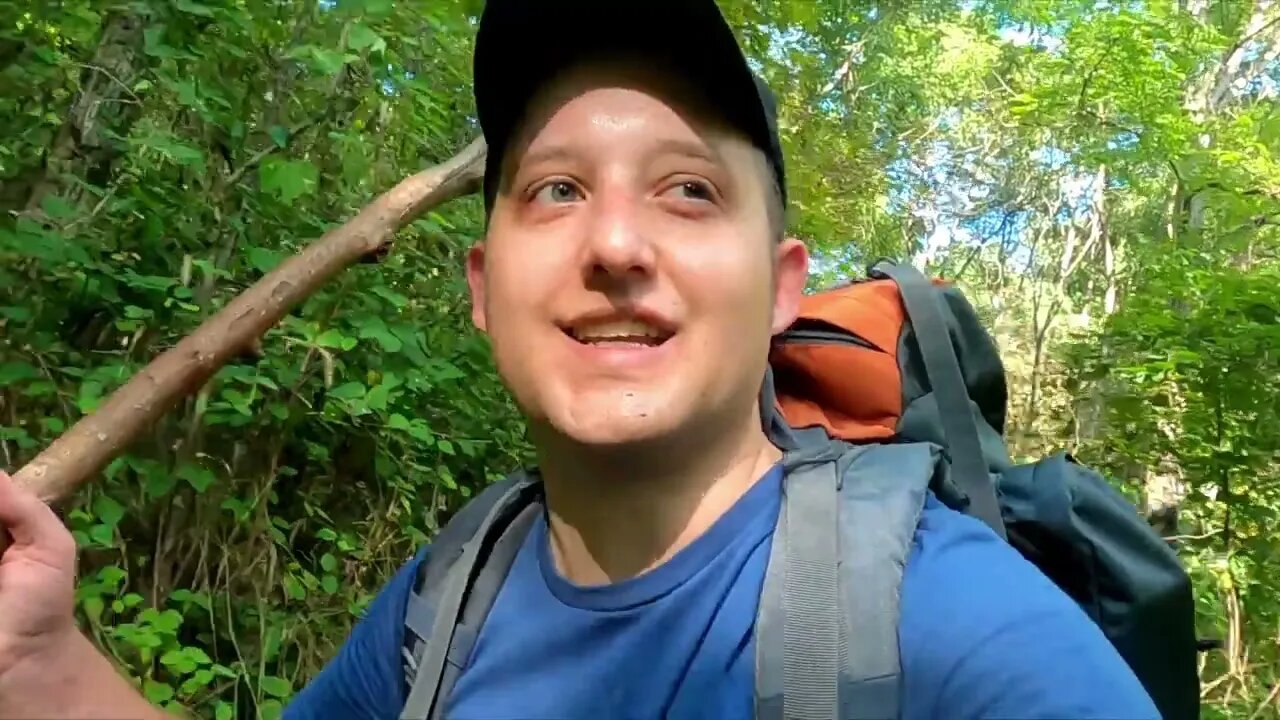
(618, 513)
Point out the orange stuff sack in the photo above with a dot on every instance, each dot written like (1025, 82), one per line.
(852, 364)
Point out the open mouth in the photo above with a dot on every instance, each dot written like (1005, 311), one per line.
(620, 334)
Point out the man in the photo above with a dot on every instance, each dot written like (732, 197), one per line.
(632, 276)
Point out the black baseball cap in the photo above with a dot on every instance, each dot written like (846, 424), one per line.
(521, 44)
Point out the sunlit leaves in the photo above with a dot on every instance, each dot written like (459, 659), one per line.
(361, 37)
(289, 179)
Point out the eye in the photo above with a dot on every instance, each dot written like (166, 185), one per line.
(693, 190)
(559, 191)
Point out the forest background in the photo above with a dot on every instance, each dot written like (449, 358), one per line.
(1099, 176)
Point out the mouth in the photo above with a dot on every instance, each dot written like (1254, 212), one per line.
(620, 334)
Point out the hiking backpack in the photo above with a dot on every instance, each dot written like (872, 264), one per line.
(883, 389)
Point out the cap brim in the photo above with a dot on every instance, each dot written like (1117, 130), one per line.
(523, 43)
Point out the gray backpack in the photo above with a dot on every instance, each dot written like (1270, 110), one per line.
(882, 390)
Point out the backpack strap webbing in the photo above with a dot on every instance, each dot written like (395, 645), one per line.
(921, 299)
(445, 550)
(827, 624)
(802, 589)
(458, 593)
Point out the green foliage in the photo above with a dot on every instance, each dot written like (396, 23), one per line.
(1101, 178)
(227, 555)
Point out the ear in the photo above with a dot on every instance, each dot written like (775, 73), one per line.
(475, 280)
(791, 272)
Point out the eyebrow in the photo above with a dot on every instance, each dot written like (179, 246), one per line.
(692, 149)
(551, 152)
(686, 148)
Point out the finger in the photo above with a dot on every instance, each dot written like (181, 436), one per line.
(27, 519)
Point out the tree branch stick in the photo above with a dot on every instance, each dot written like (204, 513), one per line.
(96, 439)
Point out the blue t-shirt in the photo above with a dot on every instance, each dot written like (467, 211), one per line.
(983, 635)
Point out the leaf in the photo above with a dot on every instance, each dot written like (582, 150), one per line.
(419, 431)
(391, 296)
(111, 575)
(179, 661)
(374, 328)
(271, 710)
(398, 422)
(159, 484)
(329, 584)
(271, 645)
(188, 96)
(288, 179)
(328, 562)
(378, 397)
(169, 147)
(193, 8)
(157, 693)
(198, 681)
(17, 314)
(153, 42)
(334, 338)
(12, 372)
(360, 36)
(264, 260)
(200, 478)
(323, 60)
(158, 283)
(90, 396)
(18, 435)
(93, 607)
(293, 589)
(279, 135)
(56, 207)
(223, 711)
(169, 621)
(348, 391)
(275, 686)
(108, 511)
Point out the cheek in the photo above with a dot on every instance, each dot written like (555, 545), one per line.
(733, 287)
(521, 286)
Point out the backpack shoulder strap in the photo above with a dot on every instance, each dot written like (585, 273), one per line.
(827, 626)
(798, 656)
(457, 585)
(921, 301)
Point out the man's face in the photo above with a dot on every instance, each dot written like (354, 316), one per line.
(630, 282)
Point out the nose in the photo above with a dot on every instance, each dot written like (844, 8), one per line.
(618, 246)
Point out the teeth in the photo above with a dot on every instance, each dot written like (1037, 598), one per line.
(617, 330)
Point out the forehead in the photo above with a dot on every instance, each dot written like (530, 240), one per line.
(613, 92)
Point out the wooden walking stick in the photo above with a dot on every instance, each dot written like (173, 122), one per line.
(87, 447)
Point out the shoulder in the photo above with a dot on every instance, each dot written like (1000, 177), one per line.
(985, 634)
(365, 679)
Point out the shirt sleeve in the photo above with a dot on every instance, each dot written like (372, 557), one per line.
(985, 635)
(365, 681)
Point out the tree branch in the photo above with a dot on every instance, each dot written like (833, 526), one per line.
(93, 441)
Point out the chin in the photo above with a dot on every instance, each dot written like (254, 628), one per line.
(615, 435)
(623, 420)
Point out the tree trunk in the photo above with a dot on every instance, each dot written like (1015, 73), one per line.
(105, 105)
